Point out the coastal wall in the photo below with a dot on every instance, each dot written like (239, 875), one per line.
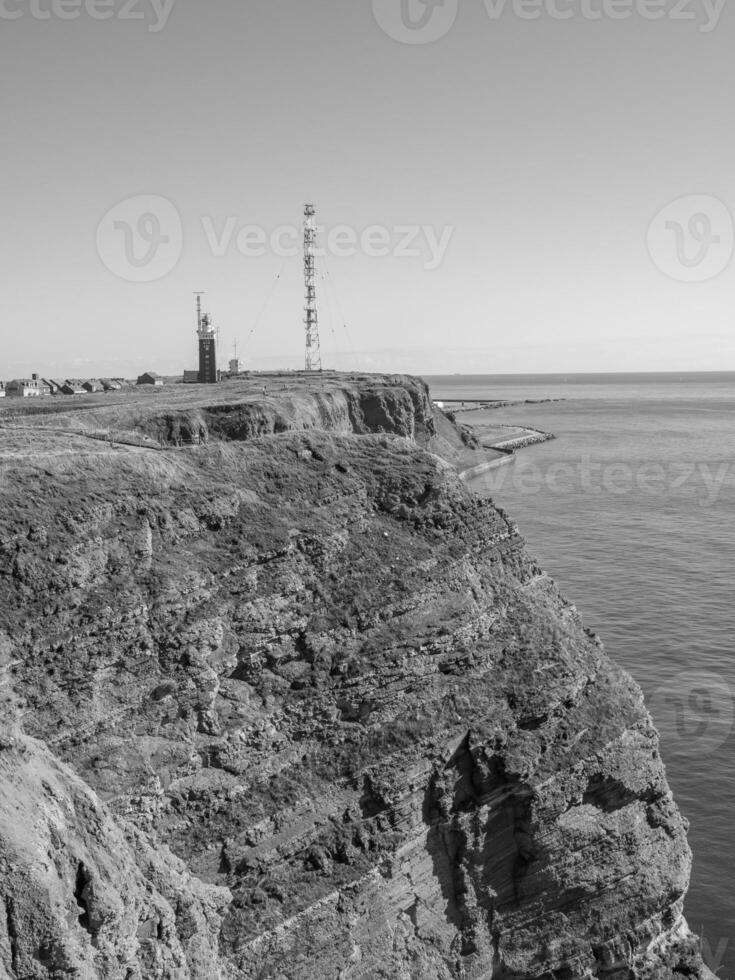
(489, 464)
(294, 703)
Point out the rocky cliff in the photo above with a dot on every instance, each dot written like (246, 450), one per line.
(291, 702)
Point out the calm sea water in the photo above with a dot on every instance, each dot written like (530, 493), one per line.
(632, 511)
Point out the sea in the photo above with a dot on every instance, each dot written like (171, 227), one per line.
(631, 509)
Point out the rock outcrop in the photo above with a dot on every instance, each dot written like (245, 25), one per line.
(85, 896)
(295, 704)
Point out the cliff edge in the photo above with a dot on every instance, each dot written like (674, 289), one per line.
(283, 699)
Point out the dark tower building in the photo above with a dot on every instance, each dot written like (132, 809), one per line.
(207, 353)
(207, 347)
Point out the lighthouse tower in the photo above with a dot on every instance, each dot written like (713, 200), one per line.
(207, 346)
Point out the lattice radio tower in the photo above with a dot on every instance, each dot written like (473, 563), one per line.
(313, 350)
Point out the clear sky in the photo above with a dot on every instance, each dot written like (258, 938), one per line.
(526, 155)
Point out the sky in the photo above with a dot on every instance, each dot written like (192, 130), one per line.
(503, 186)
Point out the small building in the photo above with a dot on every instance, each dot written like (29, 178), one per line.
(2, 389)
(235, 366)
(109, 384)
(191, 377)
(23, 388)
(43, 386)
(73, 387)
(54, 387)
(150, 378)
(91, 386)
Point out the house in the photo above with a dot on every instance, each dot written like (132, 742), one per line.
(109, 384)
(54, 387)
(23, 388)
(150, 378)
(91, 386)
(72, 387)
(44, 387)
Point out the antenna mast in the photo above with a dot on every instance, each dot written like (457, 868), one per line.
(313, 350)
(199, 311)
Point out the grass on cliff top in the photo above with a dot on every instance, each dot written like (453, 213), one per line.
(175, 397)
(53, 424)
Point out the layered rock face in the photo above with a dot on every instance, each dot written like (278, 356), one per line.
(85, 896)
(302, 706)
(400, 406)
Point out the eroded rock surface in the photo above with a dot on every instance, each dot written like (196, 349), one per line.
(86, 896)
(330, 680)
